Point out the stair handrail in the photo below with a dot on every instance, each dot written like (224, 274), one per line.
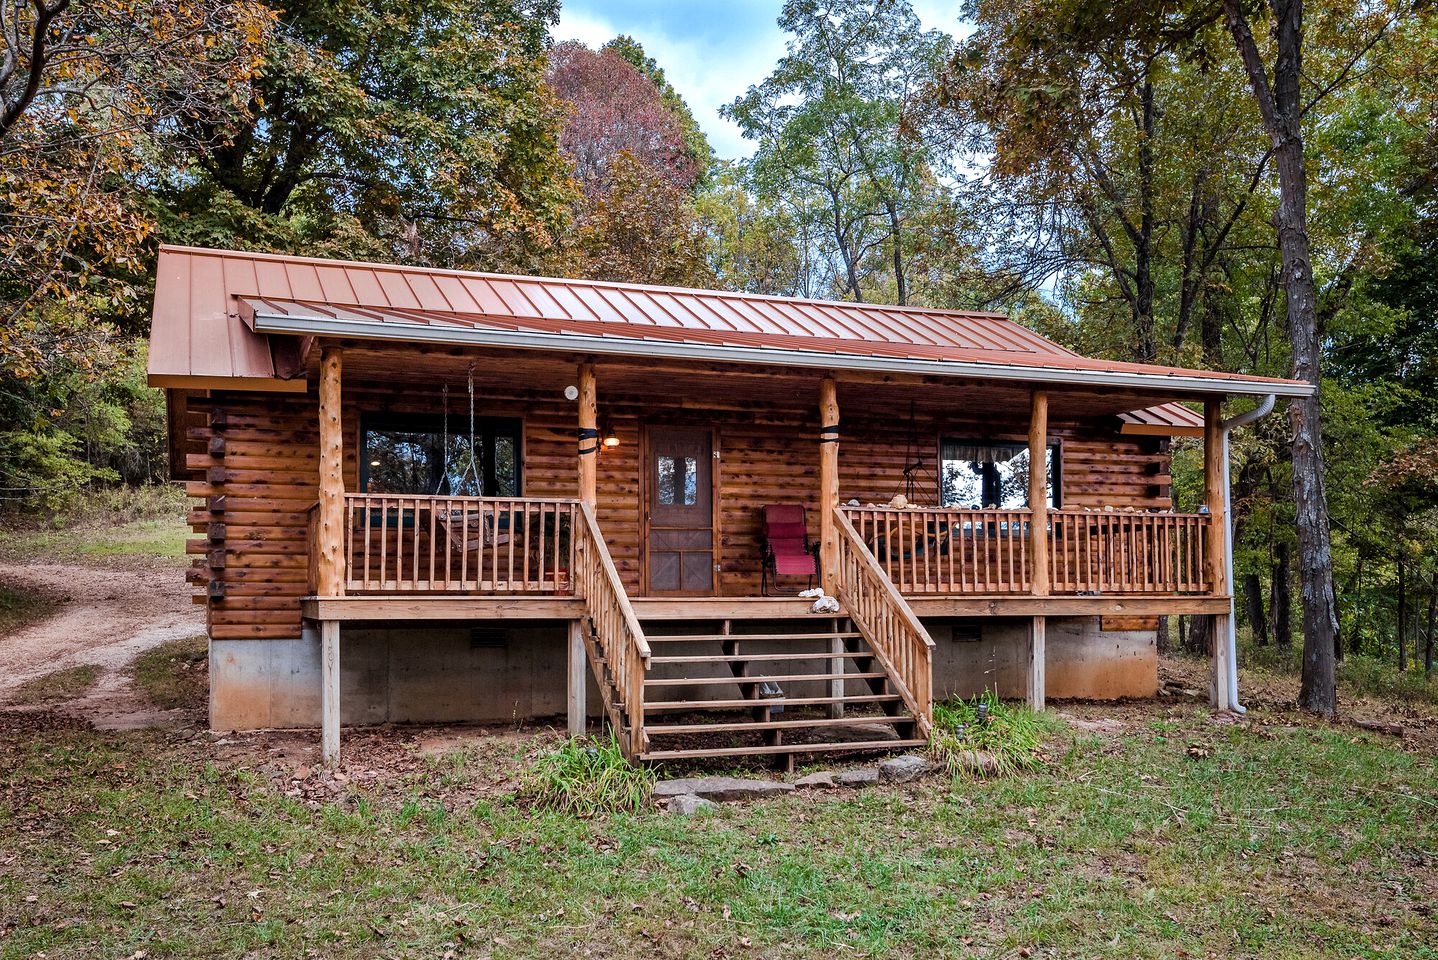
(616, 629)
(885, 619)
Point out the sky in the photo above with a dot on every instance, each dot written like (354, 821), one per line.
(710, 51)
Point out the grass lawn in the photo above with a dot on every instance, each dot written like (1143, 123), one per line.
(156, 537)
(19, 607)
(65, 684)
(1178, 836)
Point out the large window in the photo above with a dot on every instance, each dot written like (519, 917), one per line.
(417, 455)
(979, 473)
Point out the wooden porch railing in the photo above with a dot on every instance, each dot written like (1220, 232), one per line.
(1121, 552)
(400, 544)
(879, 611)
(986, 552)
(947, 550)
(616, 647)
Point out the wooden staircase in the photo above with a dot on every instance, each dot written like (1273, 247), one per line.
(684, 679)
(747, 685)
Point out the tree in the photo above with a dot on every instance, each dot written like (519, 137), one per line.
(842, 128)
(616, 109)
(420, 129)
(1281, 105)
(86, 91)
(1118, 136)
(696, 144)
(642, 230)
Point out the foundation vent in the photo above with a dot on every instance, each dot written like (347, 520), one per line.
(488, 638)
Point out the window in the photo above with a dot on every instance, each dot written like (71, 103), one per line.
(411, 455)
(979, 474)
(678, 480)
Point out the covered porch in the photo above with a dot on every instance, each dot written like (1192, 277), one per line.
(574, 538)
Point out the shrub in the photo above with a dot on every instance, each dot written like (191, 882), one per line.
(585, 777)
(1012, 734)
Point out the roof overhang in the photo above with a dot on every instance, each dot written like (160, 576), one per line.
(396, 331)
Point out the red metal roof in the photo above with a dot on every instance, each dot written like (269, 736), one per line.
(207, 303)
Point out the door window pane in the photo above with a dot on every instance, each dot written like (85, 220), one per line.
(678, 480)
(667, 488)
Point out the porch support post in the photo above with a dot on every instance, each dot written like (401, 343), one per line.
(330, 690)
(828, 485)
(578, 679)
(331, 566)
(1038, 494)
(1215, 547)
(1037, 652)
(588, 436)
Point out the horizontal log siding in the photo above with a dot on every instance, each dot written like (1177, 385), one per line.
(768, 454)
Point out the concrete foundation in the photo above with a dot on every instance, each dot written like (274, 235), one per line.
(494, 672)
(427, 675)
(971, 656)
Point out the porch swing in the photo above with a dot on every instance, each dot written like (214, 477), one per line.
(466, 530)
(937, 534)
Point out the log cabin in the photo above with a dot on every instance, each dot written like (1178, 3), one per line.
(427, 495)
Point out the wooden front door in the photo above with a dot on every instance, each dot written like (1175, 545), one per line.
(679, 510)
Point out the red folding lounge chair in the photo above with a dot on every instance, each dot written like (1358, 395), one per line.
(787, 550)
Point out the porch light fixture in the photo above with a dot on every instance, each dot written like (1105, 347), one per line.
(610, 439)
(374, 463)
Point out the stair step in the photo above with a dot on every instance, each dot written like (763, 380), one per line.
(744, 657)
(782, 748)
(663, 705)
(758, 678)
(660, 729)
(675, 638)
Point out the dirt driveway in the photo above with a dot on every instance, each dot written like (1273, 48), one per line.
(102, 616)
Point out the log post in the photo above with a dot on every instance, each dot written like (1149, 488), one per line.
(1037, 654)
(1214, 559)
(330, 690)
(578, 679)
(828, 485)
(588, 436)
(1039, 494)
(331, 566)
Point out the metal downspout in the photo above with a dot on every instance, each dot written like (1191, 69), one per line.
(1264, 408)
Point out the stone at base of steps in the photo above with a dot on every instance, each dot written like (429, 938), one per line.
(688, 805)
(720, 788)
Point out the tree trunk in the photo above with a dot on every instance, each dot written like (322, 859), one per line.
(1253, 605)
(1280, 104)
(1164, 637)
(1282, 599)
(1402, 616)
(1432, 619)
(1200, 630)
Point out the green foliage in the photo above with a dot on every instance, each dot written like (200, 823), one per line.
(57, 686)
(587, 777)
(173, 675)
(420, 129)
(845, 145)
(1012, 734)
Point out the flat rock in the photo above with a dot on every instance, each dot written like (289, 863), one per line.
(688, 805)
(823, 780)
(862, 777)
(720, 788)
(903, 769)
(865, 732)
(979, 762)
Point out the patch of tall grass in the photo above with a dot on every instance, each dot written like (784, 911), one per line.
(1010, 733)
(587, 777)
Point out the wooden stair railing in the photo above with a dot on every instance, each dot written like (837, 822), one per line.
(618, 653)
(881, 614)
